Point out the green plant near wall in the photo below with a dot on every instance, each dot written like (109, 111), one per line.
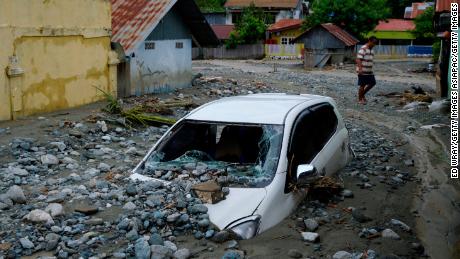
(250, 28)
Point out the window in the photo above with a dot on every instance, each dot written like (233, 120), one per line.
(311, 131)
(284, 41)
(149, 45)
(287, 40)
(248, 154)
(179, 45)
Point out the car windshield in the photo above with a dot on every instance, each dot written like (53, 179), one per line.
(235, 155)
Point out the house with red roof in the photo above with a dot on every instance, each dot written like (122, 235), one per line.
(280, 36)
(154, 40)
(278, 9)
(326, 43)
(394, 32)
(223, 31)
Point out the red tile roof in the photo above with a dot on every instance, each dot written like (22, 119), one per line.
(395, 25)
(444, 5)
(222, 31)
(285, 24)
(133, 20)
(263, 3)
(340, 34)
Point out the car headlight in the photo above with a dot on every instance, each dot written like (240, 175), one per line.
(247, 229)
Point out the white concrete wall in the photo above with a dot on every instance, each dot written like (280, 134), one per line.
(161, 69)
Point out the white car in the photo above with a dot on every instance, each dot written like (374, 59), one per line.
(264, 145)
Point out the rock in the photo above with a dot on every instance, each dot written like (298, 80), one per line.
(16, 194)
(294, 253)
(231, 244)
(17, 171)
(359, 216)
(400, 224)
(173, 217)
(131, 190)
(142, 249)
(86, 209)
(39, 216)
(26, 243)
(311, 224)
(342, 255)
(222, 236)
(129, 206)
(170, 245)
(156, 239)
(310, 236)
(60, 145)
(182, 253)
(388, 233)
(198, 208)
(203, 223)
(55, 209)
(52, 241)
(102, 126)
(158, 252)
(132, 235)
(103, 167)
(49, 159)
(233, 254)
(347, 193)
(409, 162)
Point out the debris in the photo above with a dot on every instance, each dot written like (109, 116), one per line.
(429, 127)
(311, 224)
(209, 192)
(359, 216)
(400, 224)
(342, 255)
(442, 106)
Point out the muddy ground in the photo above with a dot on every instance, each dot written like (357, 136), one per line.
(385, 135)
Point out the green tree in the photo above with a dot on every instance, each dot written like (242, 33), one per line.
(250, 28)
(424, 28)
(397, 7)
(211, 5)
(356, 16)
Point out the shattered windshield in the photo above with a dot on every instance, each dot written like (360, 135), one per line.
(235, 155)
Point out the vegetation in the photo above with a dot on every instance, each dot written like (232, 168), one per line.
(250, 28)
(207, 6)
(355, 16)
(424, 28)
(397, 7)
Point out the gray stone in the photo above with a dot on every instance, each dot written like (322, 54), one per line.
(232, 244)
(49, 159)
(16, 194)
(52, 241)
(39, 216)
(60, 145)
(26, 243)
(342, 255)
(131, 190)
(310, 236)
(400, 224)
(129, 206)
(347, 193)
(311, 224)
(142, 249)
(173, 217)
(170, 245)
(294, 253)
(203, 223)
(160, 252)
(55, 209)
(233, 254)
(17, 171)
(156, 239)
(182, 253)
(103, 167)
(388, 233)
(359, 216)
(198, 208)
(132, 235)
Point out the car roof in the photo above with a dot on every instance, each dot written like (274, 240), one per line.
(253, 108)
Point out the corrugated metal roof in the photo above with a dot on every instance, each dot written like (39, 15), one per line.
(340, 34)
(444, 5)
(285, 24)
(222, 31)
(263, 3)
(395, 25)
(134, 20)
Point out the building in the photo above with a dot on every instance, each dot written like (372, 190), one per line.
(223, 31)
(326, 44)
(281, 9)
(55, 54)
(394, 32)
(216, 17)
(416, 9)
(279, 43)
(155, 37)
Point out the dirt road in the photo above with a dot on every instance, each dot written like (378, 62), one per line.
(400, 174)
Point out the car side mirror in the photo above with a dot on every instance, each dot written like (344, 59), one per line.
(306, 174)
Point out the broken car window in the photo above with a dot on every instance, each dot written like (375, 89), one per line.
(235, 155)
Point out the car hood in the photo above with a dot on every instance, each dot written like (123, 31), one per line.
(239, 203)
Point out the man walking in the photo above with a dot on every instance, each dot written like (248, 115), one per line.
(364, 63)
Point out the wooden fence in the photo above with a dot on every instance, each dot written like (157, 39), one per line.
(395, 51)
(252, 51)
